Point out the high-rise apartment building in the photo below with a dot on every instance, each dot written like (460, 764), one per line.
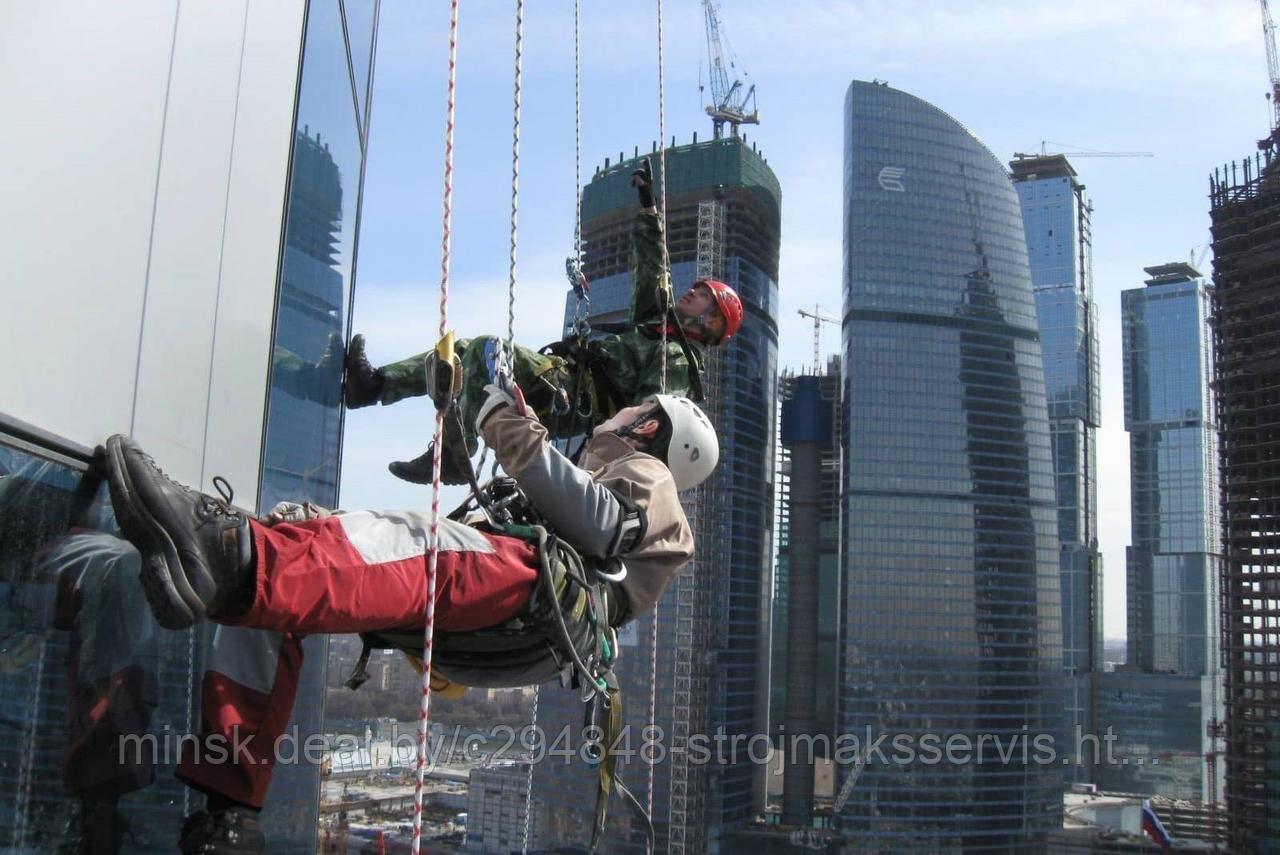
(184, 189)
(723, 208)
(1056, 223)
(1245, 209)
(950, 603)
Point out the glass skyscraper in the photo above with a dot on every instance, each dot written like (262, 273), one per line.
(951, 627)
(1168, 411)
(1056, 222)
(221, 236)
(1159, 709)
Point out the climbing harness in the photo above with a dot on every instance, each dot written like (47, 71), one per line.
(565, 633)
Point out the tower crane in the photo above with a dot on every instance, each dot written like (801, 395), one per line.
(1273, 66)
(1044, 151)
(730, 102)
(818, 320)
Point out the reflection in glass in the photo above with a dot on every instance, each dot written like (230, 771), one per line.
(304, 414)
(92, 693)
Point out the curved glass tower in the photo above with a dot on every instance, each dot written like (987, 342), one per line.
(951, 636)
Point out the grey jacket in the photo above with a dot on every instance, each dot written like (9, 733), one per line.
(594, 507)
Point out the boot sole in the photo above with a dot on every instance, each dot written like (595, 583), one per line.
(168, 592)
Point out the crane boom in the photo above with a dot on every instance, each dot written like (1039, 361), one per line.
(1084, 152)
(818, 320)
(1273, 66)
(730, 101)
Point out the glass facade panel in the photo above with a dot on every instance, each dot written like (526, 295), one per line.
(95, 695)
(951, 615)
(1156, 726)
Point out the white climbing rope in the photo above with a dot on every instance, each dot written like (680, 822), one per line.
(515, 180)
(666, 286)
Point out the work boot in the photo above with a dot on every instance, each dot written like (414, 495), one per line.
(232, 831)
(455, 462)
(363, 385)
(419, 469)
(197, 553)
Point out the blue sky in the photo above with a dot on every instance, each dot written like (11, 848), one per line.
(1182, 78)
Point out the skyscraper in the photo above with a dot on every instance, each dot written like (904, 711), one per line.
(1161, 708)
(1175, 557)
(211, 268)
(1056, 222)
(950, 606)
(1245, 208)
(723, 211)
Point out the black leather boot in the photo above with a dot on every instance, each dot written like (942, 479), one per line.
(363, 385)
(197, 550)
(455, 462)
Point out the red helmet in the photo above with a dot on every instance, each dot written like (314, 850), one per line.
(729, 304)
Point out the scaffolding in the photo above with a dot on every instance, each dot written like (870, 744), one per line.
(1245, 211)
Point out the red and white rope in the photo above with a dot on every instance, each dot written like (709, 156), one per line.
(434, 536)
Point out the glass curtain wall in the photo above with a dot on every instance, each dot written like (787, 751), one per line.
(300, 458)
(950, 628)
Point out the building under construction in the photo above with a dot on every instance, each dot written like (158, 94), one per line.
(711, 670)
(806, 582)
(1245, 211)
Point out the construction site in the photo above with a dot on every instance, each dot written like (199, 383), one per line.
(1245, 207)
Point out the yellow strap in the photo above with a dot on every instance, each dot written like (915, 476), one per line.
(440, 684)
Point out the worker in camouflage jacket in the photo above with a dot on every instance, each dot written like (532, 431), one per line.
(572, 385)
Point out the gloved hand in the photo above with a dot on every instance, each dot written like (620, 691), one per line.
(642, 180)
(503, 393)
(292, 512)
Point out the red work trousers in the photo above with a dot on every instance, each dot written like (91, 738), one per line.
(355, 572)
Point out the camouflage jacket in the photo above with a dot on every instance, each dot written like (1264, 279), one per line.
(632, 358)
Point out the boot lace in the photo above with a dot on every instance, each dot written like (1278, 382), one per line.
(220, 506)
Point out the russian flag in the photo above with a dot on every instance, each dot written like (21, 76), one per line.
(1154, 828)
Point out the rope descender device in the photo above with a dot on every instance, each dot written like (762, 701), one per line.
(444, 372)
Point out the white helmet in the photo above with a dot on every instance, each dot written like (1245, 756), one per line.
(694, 450)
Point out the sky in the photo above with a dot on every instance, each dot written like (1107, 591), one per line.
(1184, 79)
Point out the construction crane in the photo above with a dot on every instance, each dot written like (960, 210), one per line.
(1197, 254)
(818, 320)
(1084, 152)
(1273, 66)
(730, 99)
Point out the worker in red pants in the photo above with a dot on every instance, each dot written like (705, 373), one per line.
(365, 571)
